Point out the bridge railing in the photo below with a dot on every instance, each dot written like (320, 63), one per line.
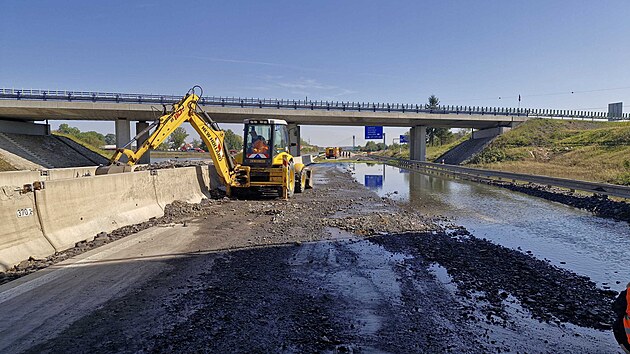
(19, 94)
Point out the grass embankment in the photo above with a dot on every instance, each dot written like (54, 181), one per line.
(433, 152)
(592, 151)
(105, 153)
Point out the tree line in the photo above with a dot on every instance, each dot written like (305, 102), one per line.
(434, 136)
(175, 141)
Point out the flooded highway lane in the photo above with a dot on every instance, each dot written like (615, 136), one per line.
(339, 296)
(568, 237)
(336, 269)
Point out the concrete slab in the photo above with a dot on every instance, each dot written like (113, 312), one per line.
(21, 234)
(185, 184)
(19, 178)
(74, 210)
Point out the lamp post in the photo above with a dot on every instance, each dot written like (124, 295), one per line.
(399, 145)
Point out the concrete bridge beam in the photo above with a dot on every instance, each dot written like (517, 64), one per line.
(294, 138)
(21, 127)
(418, 143)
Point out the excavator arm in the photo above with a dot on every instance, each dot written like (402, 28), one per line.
(231, 174)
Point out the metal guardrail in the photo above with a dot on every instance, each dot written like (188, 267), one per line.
(591, 187)
(21, 94)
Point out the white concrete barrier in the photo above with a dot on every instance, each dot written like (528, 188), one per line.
(21, 235)
(68, 209)
(70, 172)
(19, 178)
(74, 210)
(187, 184)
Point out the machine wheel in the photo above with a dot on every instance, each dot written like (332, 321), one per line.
(287, 191)
(291, 179)
(300, 182)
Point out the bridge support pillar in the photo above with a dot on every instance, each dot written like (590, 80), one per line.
(294, 138)
(123, 134)
(418, 143)
(140, 126)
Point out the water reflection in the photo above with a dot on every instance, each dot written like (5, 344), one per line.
(568, 237)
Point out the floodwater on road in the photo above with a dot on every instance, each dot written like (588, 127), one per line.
(568, 237)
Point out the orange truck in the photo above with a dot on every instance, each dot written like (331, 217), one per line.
(333, 152)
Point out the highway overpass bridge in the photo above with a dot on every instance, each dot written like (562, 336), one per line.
(39, 105)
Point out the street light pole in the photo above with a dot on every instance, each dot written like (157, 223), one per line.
(399, 145)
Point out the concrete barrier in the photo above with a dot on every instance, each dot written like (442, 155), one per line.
(67, 210)
(188, 184)
(21, 236)
(19, 178)
(74, 210)
(70, 172)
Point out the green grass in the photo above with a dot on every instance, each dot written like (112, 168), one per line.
(106, 154)
(433, 152)
(594, 151)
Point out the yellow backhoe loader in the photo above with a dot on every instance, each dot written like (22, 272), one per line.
(264, 166)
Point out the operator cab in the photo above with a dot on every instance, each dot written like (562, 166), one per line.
(264, 140)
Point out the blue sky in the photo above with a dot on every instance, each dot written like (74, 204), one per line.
(465, 52)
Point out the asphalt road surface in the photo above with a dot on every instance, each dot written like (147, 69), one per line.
(335, 270)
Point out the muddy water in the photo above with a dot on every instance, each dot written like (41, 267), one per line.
(569, 238)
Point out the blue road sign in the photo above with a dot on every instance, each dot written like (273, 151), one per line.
(373, 132)
(403, 139)
(374, 181)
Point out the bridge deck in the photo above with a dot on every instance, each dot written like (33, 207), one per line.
(73, 105)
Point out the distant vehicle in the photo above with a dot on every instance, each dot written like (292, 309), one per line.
(333, 152)
(190, 148)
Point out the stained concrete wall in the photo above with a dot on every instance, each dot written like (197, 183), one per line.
(71, 172)
(21, 234)
(19, 127)
(490, 132)
(19, 178)
(186, 184)
(69, 210)
(77, 209)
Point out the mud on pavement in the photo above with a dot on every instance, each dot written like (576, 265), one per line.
(339, 269)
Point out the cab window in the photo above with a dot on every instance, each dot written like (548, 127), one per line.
(281, 137)
(258, 138)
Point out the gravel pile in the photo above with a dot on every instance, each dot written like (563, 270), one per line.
(479, 266)
(598, 205)
(379, 223)
(172, 164)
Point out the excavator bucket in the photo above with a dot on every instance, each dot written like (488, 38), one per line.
(108, 170)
